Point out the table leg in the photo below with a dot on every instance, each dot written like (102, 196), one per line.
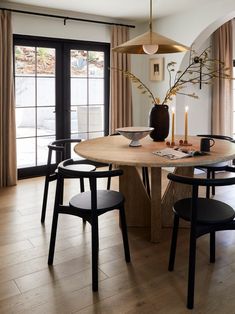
(141, 211)
(156, 216)
(137, 201)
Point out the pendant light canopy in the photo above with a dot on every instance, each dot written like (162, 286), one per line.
(150, 43)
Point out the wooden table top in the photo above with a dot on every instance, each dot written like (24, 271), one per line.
(115, 149)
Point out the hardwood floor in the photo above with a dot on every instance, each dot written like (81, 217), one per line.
(28, 285)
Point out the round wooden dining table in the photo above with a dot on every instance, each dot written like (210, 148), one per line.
(142, 209)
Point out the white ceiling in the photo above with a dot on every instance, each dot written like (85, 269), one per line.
(135, 10)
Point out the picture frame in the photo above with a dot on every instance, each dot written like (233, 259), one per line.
(156, 69)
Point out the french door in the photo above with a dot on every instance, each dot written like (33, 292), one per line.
(61, 91)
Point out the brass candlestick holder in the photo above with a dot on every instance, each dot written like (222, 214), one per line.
(181, 143)
(184, 143)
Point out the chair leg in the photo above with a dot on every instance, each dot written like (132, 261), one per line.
(213, 187)
(125, 235)
(82, 189)
(95, 248)
(109, 178)
(212, 247)
(173, 243)
(44, 202)
(147, 180)
(191, 270)
(143, 176)
(53, 237)
(208, 174)
(61, 196)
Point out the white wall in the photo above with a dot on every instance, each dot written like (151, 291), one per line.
(51, 27)
(47, 27)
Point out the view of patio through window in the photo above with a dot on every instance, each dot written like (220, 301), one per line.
(87, 93)
(35, 103)
(61, 91)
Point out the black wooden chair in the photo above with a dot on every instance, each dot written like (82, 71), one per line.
(205, 216)
(60, 147)
(88, 206)
(213, 168)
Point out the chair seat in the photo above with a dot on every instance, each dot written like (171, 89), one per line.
(106, 200)
(209, 211)
(81, 167)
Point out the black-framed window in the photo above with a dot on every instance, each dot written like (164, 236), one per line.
(62, 90)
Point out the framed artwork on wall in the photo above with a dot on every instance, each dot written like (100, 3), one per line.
(156, 69)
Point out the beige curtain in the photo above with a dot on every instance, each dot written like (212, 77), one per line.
(121, 101)
(222, 96)
(7, 106)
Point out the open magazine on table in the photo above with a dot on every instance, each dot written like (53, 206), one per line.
(177, 153)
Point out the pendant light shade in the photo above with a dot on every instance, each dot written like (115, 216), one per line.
(150, 43)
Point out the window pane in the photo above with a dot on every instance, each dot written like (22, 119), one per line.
(81, 120)
(46, 91)
(25, 91)
(25, 122)
(78, 91)
(24, 60)
(45, 121)
(96, 91)
(78, 63)
(45, 61)
(96, 134)
(25, 152)
(96, 63)
(96, 118)
(82, 136)
(42, 150)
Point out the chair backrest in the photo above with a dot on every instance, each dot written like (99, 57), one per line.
(60, 147)
(203, 181)
(67, 169)
(196, 182)
(216, 136)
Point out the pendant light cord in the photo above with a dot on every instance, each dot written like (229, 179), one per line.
(150, 17)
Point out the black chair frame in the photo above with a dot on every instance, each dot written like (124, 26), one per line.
(60, 148)
(198, 229)
(90, 215)
(210, 169)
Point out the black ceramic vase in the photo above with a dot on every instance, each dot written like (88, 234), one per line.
(159, 120)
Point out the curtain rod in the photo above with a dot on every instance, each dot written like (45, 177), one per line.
(65, 18)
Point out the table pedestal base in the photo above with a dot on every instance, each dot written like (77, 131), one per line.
(155, 212)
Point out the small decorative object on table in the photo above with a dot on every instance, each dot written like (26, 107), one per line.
(134, 134)
(181, 143)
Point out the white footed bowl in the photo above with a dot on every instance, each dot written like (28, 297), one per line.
(134, 134)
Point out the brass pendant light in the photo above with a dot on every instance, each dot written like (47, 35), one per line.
(150, 43)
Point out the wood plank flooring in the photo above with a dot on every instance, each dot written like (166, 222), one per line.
(28, 285)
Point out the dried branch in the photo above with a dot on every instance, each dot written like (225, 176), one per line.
(201, 69)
